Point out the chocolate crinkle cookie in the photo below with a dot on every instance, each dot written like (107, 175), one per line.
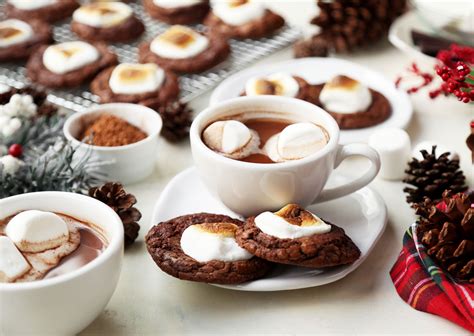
(167, 241)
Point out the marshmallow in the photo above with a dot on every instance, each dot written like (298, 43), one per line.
(37, 231)
(345, 95)
(179, 42)
(102, 14)
(237, 12)
(231, 138)
(12, 263)
(296, 141)
(393, 146)
(10, 164)
(31, 4)
(175, 3)
(212, 241)
(14, 31)
(284, 225)
(280, 84)
(130, 78)
(428, 146)
(69, 56)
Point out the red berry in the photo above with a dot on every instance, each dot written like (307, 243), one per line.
(15, 150)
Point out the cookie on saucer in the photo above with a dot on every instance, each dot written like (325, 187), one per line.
(297, 237)
(182, 49)
(44, 10)
(106, 21)
(177, 12)
(18, 39)
(202, 247)
(68, 64)
(351, 103)
(279, 84)
(145, 84)
(242, 19)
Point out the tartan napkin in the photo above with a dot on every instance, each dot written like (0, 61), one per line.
(425, 287)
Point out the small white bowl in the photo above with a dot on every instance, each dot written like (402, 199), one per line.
(126, 164)
(66, 304)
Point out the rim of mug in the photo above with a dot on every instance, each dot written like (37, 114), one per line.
(203, 117)
(115, 243)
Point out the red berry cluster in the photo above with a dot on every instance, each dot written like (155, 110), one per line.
(455, 82)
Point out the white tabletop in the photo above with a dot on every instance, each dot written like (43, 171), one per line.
(149, 302)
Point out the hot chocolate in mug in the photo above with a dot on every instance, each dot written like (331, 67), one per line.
(249, 188)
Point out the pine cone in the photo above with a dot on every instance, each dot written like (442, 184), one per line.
(315, 46)
(177, 118)
(432, 176)
(122, 203)
(447, 231)
(350, 24)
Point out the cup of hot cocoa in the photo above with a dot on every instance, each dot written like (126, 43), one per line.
(260, 153)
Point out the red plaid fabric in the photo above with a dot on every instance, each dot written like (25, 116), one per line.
(425, 287)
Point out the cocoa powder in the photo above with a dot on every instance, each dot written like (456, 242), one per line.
(110, 131)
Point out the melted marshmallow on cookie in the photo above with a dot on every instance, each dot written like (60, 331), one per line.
(279, 84)
(291, 222)
(129, 78)
(238, 12)
(69, 56)
(102, 14)
(212, 241)
(345, 95)
(179, 42)
(31, 4)
(14, 31)
(176, 3)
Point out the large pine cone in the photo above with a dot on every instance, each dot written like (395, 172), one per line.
(447, 231)
(122, 203)
(433, 175)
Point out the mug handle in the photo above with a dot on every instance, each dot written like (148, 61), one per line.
(348, 188)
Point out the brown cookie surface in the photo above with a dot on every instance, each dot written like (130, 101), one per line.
(125, 31)
(217, 51)
(168, 92)
(38, 73)
(57, 11)
(42, 34)
(178, 15)
(266, 25)
(379, 111)
(320, 250)
(163, 244)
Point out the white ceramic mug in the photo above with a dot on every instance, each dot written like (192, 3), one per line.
(66, 304)
(250, 188)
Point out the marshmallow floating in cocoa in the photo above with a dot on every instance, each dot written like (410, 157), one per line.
(37, 231)
(345, 95)
(12, 263)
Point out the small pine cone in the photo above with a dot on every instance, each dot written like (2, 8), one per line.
(315, 46)
(122, 203)
(177, 118)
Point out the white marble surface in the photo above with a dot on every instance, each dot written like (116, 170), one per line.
(149, 302)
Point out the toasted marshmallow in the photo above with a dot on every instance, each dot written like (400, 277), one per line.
(69, 56)
(296, 141)
(31, 4)
(237, 12)
(212, 241)
(37, 231)
(14, 31)
(345, 95)
(130, 78)
(279, 84)
(175, 3)
(102, 14)
(291, 222)
(12, 263)
(179, 42)
(231, 138)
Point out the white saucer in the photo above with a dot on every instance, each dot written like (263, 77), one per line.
(364, 218)
(319, 70)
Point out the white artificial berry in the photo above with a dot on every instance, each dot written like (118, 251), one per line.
(11, 127)
(10, 164)
(19, 106)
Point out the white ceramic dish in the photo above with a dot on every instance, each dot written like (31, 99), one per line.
(319, 70)
(364, 219)
(66, 304)
(127, 164)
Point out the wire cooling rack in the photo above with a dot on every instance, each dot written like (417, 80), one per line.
(244, 52)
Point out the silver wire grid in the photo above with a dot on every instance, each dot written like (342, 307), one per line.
(244, 53)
